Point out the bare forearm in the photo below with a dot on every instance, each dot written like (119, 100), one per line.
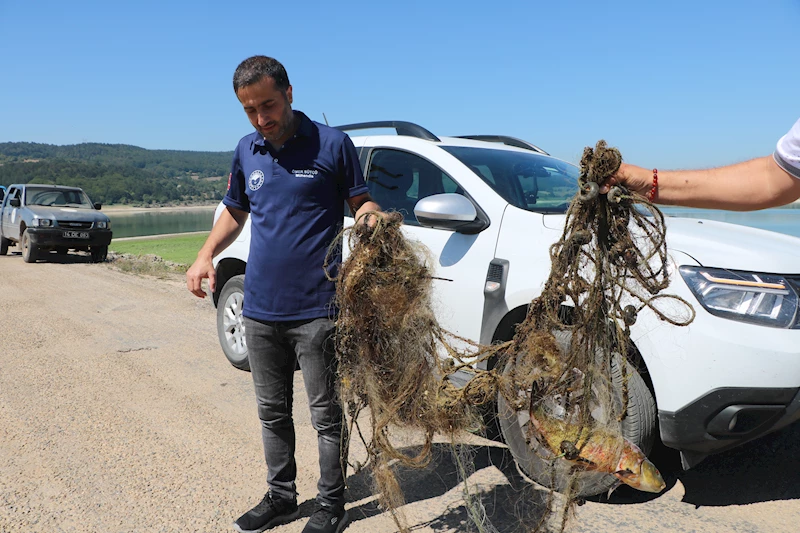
(225, 230)
(755, 184)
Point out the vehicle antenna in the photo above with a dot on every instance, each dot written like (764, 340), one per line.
(326, 119)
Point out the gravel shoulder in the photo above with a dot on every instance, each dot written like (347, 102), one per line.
(118, 412)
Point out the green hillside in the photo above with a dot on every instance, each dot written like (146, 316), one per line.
(118, 173)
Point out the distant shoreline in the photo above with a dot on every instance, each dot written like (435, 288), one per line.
(159, 236)
(119, 209)
(128, 209)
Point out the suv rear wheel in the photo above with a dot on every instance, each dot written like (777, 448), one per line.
(535, 461)
(230, 323)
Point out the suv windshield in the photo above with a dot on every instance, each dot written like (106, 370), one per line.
(59, 197)
(527, 180)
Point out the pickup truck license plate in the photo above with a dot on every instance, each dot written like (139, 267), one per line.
(76, 234)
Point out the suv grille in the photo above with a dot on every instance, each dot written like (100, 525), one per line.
(74, 224)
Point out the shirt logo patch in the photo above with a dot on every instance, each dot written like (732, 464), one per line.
(256, 180)
(308, 173)
(229, 180)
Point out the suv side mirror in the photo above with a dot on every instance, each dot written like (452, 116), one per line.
(450, 211)
(98, 206)
(14, 202)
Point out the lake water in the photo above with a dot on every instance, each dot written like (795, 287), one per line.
(783, 220)
(158, 222)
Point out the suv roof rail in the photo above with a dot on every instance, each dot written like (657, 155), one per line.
(505, 139)
(409, 129)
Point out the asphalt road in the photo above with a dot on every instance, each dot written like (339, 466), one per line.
(119, 413)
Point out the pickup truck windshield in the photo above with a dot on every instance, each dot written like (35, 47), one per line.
(56, 197)
(530, 181)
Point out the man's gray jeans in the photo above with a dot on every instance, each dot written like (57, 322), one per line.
(273, 348)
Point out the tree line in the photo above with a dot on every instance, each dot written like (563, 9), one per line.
(119, 174)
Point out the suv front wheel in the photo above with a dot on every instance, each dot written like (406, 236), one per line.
(537, 462)
(230, 323)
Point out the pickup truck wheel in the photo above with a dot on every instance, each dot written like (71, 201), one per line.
(230, 323)
(99, 253)
(30, 253)
(4, 244)
(534, 460)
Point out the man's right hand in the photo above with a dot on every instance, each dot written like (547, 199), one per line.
(225, 230)
(201, 269)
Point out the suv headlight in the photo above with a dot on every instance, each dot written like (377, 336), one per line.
(102, 224)
(766, 299)
(42, 222)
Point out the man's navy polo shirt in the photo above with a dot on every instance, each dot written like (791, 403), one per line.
(295, 197)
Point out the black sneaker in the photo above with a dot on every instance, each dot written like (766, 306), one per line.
(328, 519)
(268, 513)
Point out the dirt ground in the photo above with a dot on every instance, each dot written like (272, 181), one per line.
(119, 413)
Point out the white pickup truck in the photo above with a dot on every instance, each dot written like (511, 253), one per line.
(489, 207)
(40, 218)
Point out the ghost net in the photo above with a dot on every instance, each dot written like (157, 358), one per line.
(566, 367)
(387, 344)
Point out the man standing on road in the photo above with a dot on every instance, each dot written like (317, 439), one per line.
(760, 183)
(293, 177)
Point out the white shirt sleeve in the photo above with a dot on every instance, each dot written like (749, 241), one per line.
(787, 153)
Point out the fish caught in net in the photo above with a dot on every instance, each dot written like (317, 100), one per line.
(565, 380)
(568, 368)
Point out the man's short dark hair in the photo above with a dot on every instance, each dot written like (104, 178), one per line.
(254, 69)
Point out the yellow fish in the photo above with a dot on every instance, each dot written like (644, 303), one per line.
(598, 450)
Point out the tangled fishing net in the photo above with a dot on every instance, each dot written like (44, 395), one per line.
(387, 343)
(569, 365)
(567, 368)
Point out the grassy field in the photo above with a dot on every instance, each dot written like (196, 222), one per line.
(178, 249)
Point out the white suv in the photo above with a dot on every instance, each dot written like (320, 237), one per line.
(489, 207)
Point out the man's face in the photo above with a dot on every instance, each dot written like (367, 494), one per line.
(269, 110)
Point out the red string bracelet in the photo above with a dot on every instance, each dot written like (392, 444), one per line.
(651, 195)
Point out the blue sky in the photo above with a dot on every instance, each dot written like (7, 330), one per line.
(673, 84)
